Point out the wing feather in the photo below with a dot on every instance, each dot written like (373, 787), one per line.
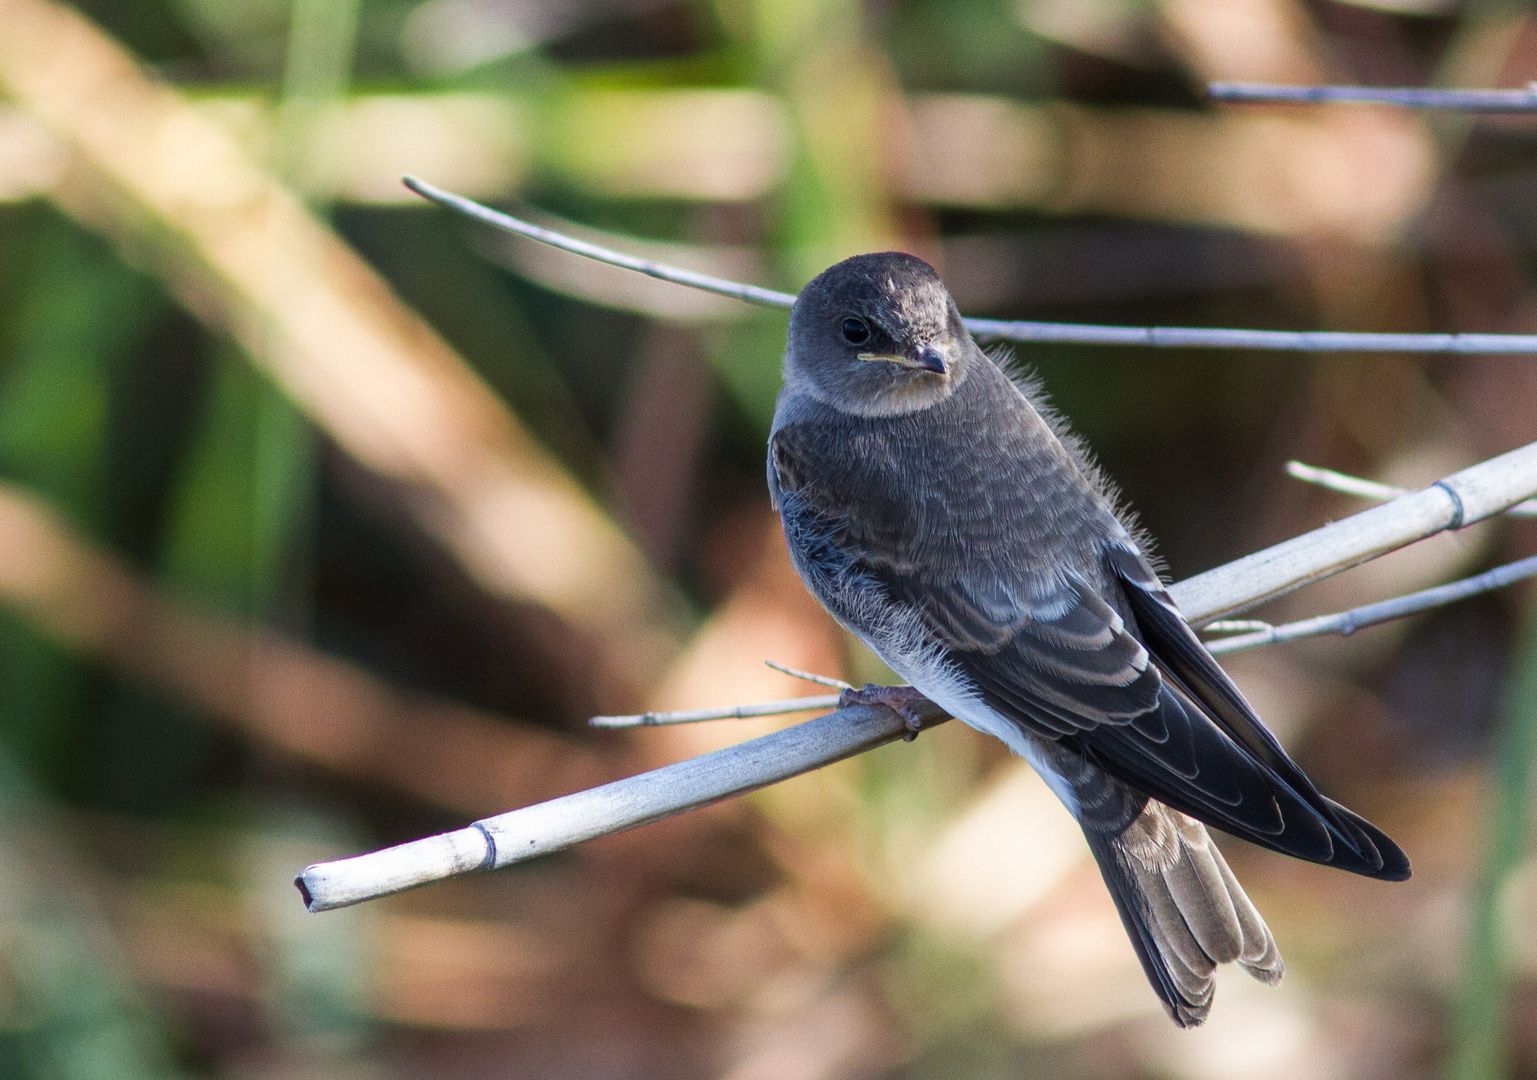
(1093, 656)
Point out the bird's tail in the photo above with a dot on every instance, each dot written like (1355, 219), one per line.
(1183, 909)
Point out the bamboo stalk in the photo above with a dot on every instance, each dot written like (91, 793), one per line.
(499, 841)
(1458, 500)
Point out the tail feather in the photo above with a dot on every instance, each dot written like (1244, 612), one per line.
(1183, 909)
(1259, 956)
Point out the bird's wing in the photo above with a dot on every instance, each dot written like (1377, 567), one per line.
(1186, 662)
(1060, 655)
(1158, 713)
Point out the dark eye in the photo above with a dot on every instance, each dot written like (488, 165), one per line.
(856, 331)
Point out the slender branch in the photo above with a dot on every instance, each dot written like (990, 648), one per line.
(735, 712)
(1178, 337)
(1371, 489)
(1348, 622)
(1506, 101)
(1342, 482)
(820, 680)
(728, 712)
(1458, 500)
(1199, 337)
(1247, 634)
(753, 294)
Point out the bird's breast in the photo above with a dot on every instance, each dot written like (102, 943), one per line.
(978, 480)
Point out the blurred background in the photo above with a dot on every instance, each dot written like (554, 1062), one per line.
(327, 520)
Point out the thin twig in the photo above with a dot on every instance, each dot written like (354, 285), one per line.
(1416, 97)
(1341, 482)
(1371, 489)
(1181, 337)
(820, 680)
(1348, 622)
(752, 294)
(1461, 499)
(735, 712)
(729, 712)
(1235, 626)
(1199, 337)
(1247, 634)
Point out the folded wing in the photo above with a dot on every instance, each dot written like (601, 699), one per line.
(1147, 703)
(1099, 660)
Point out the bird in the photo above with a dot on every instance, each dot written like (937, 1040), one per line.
(941, 511)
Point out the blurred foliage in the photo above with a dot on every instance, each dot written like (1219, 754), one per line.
(156, 437)
(80, 317)
(70, 1011)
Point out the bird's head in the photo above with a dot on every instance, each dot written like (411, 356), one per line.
(877, 335)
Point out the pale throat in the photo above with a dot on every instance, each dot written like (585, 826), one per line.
(904, 395)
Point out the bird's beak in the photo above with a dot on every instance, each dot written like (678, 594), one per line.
(927, 358)
(930, 359)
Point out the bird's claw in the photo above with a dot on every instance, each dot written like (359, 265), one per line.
(906, 701)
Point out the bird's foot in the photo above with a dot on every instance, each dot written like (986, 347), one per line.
(907, 702)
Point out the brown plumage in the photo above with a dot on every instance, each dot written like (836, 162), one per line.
(937, 511)
(1193, 913)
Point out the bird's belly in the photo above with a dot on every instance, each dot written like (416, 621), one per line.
(900, 642)
(898, 635)
(953, 692)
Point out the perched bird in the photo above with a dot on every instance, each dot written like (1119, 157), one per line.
(942, 513)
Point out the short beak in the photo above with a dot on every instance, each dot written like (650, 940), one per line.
(927, 358)
(930, 359)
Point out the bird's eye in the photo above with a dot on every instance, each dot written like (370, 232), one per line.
(856, 331)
